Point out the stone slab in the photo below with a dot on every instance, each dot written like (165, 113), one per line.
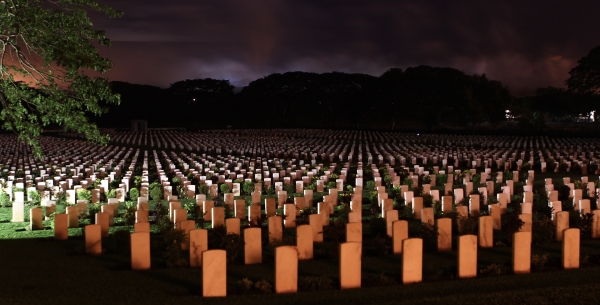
(412, 260)
(350, 265)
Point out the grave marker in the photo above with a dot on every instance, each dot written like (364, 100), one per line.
(304, 241)
(140, 251)
(103, 219)
(232, 225)
(214, 273)
(35, 219)
(198, 244)
(93, 239)
(218, 217)
(444, 240)
(350, 265)
(570, 248)
(486, 232)
(399, 234)
(61, 226)
(275, 229)
(315, 221)
(252, 246)
(390, 217)
(562, 223)
(286, 269)
(141, 227)
(467, 256)
(354, 232)
(521, 252)
(73, 214)
(412, 260)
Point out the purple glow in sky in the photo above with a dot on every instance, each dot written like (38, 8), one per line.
(524, 44)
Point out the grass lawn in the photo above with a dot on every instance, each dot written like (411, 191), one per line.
(42, 271)
(37, 269)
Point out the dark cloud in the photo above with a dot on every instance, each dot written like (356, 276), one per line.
(525, 44)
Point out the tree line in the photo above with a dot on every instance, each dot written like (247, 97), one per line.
(417, 98)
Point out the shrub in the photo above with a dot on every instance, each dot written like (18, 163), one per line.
(137, 181)
(94, 208)
(511, 224)
(406, 213)
(233, 245)
(381, 245)
(543, 229)
(224, 188)
(494, 270)
(162, 218)
(370, 185)
(115, 183)
(427, 200)
(315, 283)
(173, 239)
(409, 182)
(4, 199)
(538, 262)
(428, 232)
(269, 190)
(35, 197)
(83, 194)
(195, 211)
(248, 188)
(263, 286)
(387, 179)
(182, 192)
(563, 192)
(112, 193)
(289, 188)
(585, 223)
(134, 194)
(129, 216)
(540, 203)
(441, 179)
(246, 285)
(203, 189)
(467, 225)
(331, 185)
(156, 193)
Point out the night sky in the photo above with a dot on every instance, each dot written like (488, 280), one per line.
(524, 44)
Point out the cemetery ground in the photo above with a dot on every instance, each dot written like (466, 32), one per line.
(477, 219)
(35, 267)
(39, 271)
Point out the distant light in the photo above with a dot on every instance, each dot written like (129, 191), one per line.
(417, 134)
(194, 99)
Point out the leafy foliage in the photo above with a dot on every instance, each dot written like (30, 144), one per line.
(585, 77)
(45, 48)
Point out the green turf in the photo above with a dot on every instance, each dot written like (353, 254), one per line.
(43, 271)
(36, 269)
